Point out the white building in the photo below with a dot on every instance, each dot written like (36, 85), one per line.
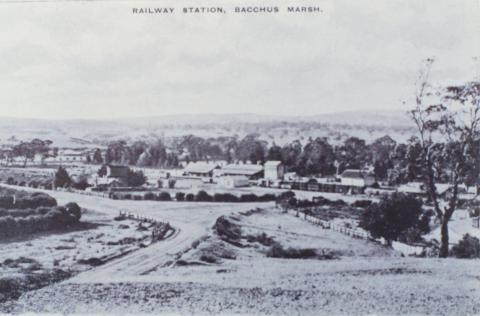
(274, 170)
(233, 181)
(200, 169)
(356, 178)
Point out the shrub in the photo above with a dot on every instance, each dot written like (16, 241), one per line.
(277, 251)
(394, 216)
(180, 196)
(62, 179)
(189, 197)
(127, 196)
(135, 178)
(149, 196)
(203, 196)
(362, 203)
(248, 198)
(468, 247)
(164, 196)
(74, 210)
(17, 222)
(267, 197)
(225, 197)
(6, 202)
(287, 195)
(81, 184)
(208, 258)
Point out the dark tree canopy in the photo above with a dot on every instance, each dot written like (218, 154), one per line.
(394, 216)
(135, 178)
(62, 179)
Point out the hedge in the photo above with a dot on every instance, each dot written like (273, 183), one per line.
(29, 221)
(164, 196)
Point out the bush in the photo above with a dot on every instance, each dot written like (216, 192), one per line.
(149, 196)
(62, 179)
(164, 196)
(6, 202)
(189, 197)
(277, 251)
(203, 196)
(74, 210)
(135, 178)
(267, 197)
(362, 203)
(180, 196)
(225, 197)
(286, 196)
(17, 222)
(248, 198)
(394, 217)
(467, 248)
(208, 258)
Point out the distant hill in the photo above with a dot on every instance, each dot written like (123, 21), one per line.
(88, 132)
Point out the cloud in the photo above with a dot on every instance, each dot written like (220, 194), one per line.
(86, 59)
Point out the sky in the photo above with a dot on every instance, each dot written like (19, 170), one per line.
(96, 59)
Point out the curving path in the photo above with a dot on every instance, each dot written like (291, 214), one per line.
(191, 220)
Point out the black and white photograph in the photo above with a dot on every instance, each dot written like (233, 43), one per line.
(240, 157)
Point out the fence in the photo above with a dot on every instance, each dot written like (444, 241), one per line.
(357, 233)
(405, 249)
(90, 193)
(139, 218)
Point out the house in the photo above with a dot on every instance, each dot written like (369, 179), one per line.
(356, 178)
(444, 190)
(273, 170)
(252, 172)
(233, 181)
(115, 176)
(200, 169)
(413, 188)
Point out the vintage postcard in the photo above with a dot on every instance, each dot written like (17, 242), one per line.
(250, 157)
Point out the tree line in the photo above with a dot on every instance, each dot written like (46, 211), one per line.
(396, 162)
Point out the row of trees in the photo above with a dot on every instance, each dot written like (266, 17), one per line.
(316, 157)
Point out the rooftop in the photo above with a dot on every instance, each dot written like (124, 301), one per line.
(201, 167)
(354, 173)
(245, 169)
(272, 163)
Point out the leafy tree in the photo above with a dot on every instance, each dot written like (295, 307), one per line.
(394, 216)
(251, 148)
(102, 172)
(352, 154)
(97, 156)
(467, 247)
(447, 121)
(317, 158)
(291, 153)
(29, 149)
(135, 178)
(274, 153)
(381, 154)
(62, 179)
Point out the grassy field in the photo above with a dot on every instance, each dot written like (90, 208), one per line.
(208, 268)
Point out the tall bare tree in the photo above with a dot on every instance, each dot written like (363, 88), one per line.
(448, 124)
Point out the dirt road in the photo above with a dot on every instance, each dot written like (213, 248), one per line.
(191, 220)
